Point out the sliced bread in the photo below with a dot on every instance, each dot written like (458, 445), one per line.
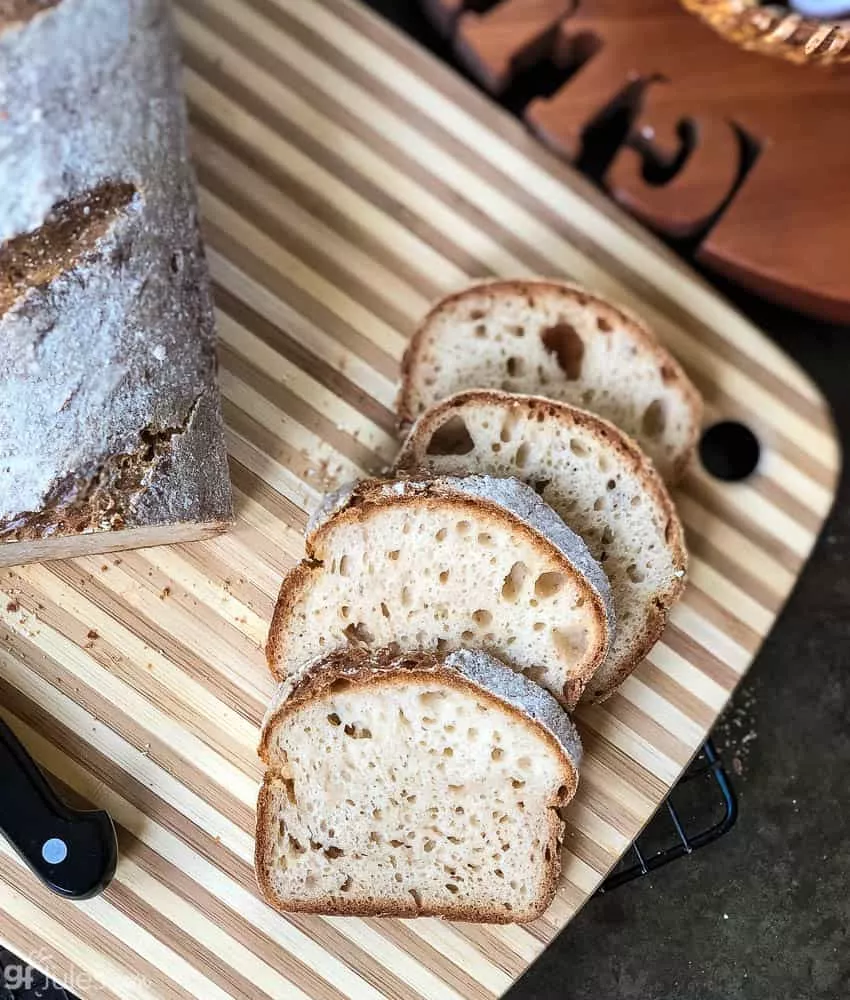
(445, 563)
(418, 786)
(555, 340)
(590, 473)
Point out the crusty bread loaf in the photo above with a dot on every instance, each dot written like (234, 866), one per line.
(110, 427)
(555, 340)
(590, 473)
(446, 563)
(419, 786)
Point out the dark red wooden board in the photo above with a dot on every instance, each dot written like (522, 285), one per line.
(747, 156)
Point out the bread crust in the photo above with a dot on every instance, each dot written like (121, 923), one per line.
(628, 452)
(109, 410)
(776, 31)
(360, 669)
(644, 339)
(368, 496)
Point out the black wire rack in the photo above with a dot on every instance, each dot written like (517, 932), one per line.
(699, 810)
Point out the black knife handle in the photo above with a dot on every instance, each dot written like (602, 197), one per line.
(74, 853)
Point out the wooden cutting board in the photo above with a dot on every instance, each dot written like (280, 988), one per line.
(347, 179)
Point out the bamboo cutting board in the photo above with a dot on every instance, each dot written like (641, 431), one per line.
(347, 179)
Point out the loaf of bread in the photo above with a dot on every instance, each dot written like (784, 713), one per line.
(419, 786)
(441, 564)
(551, 339)
(594, 477)
(110, 427)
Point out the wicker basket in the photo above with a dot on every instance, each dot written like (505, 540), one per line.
(776, 31)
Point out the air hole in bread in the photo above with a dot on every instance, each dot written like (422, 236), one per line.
(393, 556)
(334, 719)
(607, 536)
(346, 885)
(517, 783)
(634, 573)
(572, 643)
(344, 566)
(549, 584)
(452, 438)
(484, 538)
(539, 626)
(385, 611)
(497, 753)
(654, 421)
(578, 449)
(357, 732)
(603, 325)
(482, 618)
(495, 447)
(344, 611)
(516, 367)
(452, 888)
(514, 581)
(480, 330)
(431, 698)
(507, 432)
(539, 485)
(405, 597)
(444, 576)
(463, 527)
(599, 503)
(467, 635)
(332, 853)
(521, 456)
(358, 632)
(441, 535)
(289, 788)
(564, 342)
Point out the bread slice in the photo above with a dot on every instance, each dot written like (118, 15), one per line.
(446, 563)
(551, 339)
(590, 473)
(420, 786)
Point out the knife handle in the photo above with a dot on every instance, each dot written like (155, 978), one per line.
(73, 852)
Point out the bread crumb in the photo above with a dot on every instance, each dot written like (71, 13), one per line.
(12, 607)
(91, 634)
(104, 568)
(165, 592)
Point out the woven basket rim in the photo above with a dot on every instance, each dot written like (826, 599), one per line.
(776, 30)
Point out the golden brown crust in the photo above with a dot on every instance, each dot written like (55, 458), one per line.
(358, 668)
(13, 12)
(629, 452)
(645, 339)
(773, 29)
(370, 495)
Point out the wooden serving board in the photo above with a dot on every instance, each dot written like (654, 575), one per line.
(347, 179)
(746, 157)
